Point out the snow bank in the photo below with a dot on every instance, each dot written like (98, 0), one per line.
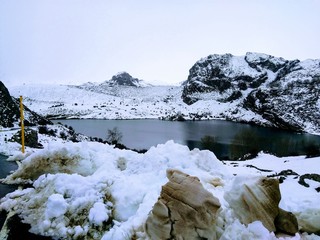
(96, 191)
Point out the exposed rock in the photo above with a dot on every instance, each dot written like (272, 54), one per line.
(286, 222)
(184, 210)
(283, 175)
(284, 93)
(124, 79)
(10, 113)
(116, 85)
(314, 177)
(258, 200)
(31, 138)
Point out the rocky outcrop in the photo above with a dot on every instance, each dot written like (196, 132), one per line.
(116, 85)
(124, 79)
(184, 210)
(10, 113)
(258, 199)
(284, 93)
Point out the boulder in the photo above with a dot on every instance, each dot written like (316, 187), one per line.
(184, 210)
(257, 199)
(286, 222)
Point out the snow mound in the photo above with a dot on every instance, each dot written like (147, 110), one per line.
(106, 193)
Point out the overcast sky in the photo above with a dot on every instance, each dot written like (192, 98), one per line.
(76, 41)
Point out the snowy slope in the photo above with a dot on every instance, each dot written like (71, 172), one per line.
(119, 102)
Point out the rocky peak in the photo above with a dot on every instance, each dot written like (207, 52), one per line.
(125, 79)
(222, 77)
(284, 93)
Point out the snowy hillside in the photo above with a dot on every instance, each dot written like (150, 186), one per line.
(119, 102)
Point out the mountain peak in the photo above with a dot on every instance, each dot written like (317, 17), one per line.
(125, 79)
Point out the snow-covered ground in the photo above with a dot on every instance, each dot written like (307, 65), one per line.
(90, 190)
(118, 102)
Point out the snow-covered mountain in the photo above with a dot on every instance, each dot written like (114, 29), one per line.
(279, 92)
(255, 88)
(120, 79)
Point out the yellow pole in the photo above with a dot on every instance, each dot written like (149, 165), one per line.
(22, 125)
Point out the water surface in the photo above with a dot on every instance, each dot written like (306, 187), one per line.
(227, 139)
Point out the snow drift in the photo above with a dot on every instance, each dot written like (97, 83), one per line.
(108, 193)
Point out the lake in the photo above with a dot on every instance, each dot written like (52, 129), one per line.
(5, 168)
(228, 140)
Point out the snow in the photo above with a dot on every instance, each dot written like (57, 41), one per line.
(240, 67)
(107, 193)
(98, 214)
(56, 206)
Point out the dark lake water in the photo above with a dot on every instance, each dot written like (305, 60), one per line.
(226, 139)
(5, 168)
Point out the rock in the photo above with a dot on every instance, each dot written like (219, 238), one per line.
(312, 176)
(286, 222)
(258, 199)
(124, 79)
(31, 138)
(10, 112)
(184, 210)
(283, 93)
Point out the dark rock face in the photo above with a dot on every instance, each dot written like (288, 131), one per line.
(124, 79)
(10, 113)
(284, 93)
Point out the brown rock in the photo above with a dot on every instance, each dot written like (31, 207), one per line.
(286, 222)
(256, 200)
(184, 210)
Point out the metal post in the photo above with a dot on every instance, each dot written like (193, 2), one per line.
(22, 125)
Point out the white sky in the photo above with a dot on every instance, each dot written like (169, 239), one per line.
(76, 41)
